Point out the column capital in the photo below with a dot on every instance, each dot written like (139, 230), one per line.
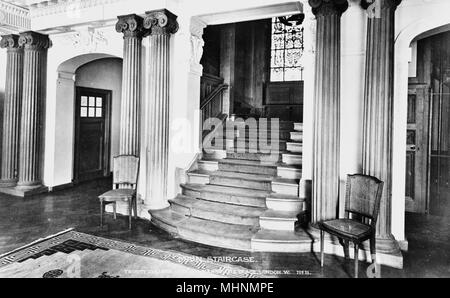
(10, 42)
(34, 41)
(160, 22)
(328, 7)
(131, 25)
(371, 5)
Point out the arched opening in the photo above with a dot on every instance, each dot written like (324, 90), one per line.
(87, 117)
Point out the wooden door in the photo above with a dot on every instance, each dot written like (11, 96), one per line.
(440, 152)
(92, 135)
(417, 148)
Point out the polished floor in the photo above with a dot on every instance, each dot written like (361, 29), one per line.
(25, 220)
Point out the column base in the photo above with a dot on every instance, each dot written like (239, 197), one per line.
(24, 192)
(8, 183)
(388, 251)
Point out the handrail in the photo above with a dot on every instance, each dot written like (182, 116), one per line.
(213, 94)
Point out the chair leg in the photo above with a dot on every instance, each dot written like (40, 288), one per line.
(346, 244)
(115, 210)
(356, 259)
(101, 213)
(130, 215)
(321, 247)
(135, 207)
(373, 251)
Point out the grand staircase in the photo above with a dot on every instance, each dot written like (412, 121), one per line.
(243, 199)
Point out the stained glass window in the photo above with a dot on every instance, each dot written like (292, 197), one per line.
(287, 49)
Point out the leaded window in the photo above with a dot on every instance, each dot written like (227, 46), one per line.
(287, 49)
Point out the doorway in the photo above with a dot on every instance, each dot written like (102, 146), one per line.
(92, 134)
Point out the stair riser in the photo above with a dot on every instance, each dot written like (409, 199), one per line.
(276, 224)
(214, 154)
(296, 148)
(213, 240)
(290, 173)
(298, 127)
(208, 166)
(226, 181)
(254, 146)
(296, 136)
(164, 226)
(285, 189)
(248, 169)
(198, 179)
(280, 205)
(292, 159)
(226, 198)
(269, 158)
(265, 246)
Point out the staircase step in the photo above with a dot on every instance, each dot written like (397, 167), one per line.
(292, 158)
(225, 194)
(167, 220)
(289, 171)
(217, 234)
(199, 177)
(294, 147)
(217, 211)
(298, 126)
(282, 202)
(254, 144)
(282, 241)
(242, 180)
(278, 220)
(297, 136)
(264, 157)
(247, 166)
(208, 165)
(213, 153)
(285, 186)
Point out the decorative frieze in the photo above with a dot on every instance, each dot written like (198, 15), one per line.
(13, 18)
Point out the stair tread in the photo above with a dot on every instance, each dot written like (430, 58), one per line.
(168, 216)
(281, 197)
(220, 207)
(200, 172)
(247, 162)
(218, 228)
(230, 190)
(283, 215)
(281, 236)
(286, 181)
(244, 176)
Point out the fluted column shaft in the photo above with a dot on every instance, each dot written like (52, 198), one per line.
(132, 28)
(161, 24)
(378, 105)
(326, 131)
(31, 128)
(12, 110)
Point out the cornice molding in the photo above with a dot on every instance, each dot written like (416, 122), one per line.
(160, 22)
(46, 8)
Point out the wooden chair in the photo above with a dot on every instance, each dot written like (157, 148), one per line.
(125, 176)
(362, 205)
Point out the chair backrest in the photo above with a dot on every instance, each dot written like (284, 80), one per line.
(363, 196)
(125, 170)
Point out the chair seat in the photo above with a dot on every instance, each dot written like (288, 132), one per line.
(347, 227)
(118, 194)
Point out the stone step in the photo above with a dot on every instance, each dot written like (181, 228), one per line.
(255, 144)
(282, 241)
(285, 186)
(294, 147)
(248, 166)
(217, 234)
(264, 157)
(297, 136)
(226, 194)
(199, 177)
(167, 220)
(208, 165)
(217, 211)
(214, 153)
(298, 126)
(291, 158)
(242, 180)
(281, 202)
(278, 220)
(289, 171)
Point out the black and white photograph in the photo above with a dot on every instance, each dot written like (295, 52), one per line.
(246, 141)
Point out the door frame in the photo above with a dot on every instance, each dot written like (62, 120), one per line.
(107, 136)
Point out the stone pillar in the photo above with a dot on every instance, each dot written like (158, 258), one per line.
(12, 110)
(326, 131)
(161, 24)
(353, 50)
(132, 27)
(378, 110)
(32, 118)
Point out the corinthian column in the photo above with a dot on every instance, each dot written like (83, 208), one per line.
(132, 27)
(161, 24)
(378, 110)
(31, 129)
(326, 132)
(12, 106)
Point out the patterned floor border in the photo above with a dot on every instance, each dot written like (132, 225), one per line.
(199, 263)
